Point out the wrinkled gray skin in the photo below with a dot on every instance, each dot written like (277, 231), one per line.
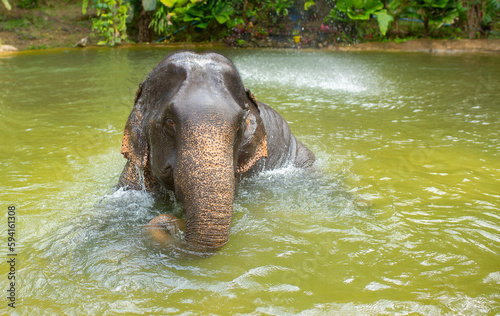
(194, 129)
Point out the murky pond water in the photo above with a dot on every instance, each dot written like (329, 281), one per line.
(402, 216)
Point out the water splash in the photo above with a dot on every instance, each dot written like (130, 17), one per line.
(308, 72)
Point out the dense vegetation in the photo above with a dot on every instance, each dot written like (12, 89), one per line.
(318, 22)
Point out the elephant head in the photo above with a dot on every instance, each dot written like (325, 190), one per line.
(193, 129)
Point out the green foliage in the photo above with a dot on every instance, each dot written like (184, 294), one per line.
(201, 13)
(384, 19)
(85, 4)
(359, 9)
(233, 22)
(308, 4)
(16, 23)
(481, 16)
(171, 3)
(160, 22)
(434, 12)
(172, 16)
(363, 9)
(403, 40)
(491, 11)
(336, 15)
(43, 46)
(281, 6)
(110, 23)
(431, 12)
(350, 17)
(26, 4)
(397, 8)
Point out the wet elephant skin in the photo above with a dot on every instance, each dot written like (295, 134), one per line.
(194, 129)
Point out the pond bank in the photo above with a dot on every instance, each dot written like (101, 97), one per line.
(420, 45)
(430, 46)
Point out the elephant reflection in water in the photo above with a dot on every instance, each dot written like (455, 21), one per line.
(194, 129)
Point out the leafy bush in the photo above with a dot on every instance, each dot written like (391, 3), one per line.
(178, 13)
(362, 10)
(434, 12)
(430, 12)
(351, 19)
(111, 20)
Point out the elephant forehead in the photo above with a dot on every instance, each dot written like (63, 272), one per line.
(212, 70)
(202, 62)
(202, 59)
(197, 64)
(204, 96)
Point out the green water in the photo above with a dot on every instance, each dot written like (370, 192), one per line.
(402, 216)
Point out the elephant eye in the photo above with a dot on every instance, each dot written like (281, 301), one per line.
(241, 127)
(170, 122)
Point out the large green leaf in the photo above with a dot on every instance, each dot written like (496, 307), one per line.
(222, 12)
(195, 11)
(359, 9)
(202, 25)
(384, 19)
(222, 18)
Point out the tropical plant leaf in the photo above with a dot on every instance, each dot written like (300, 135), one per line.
(492, 11)
(195, 11)
(85, 4)
(450, 16)
(373, 6)
(395, 4)
(439, 3)
(342, 5)
(169, 3)
(308, 4)
(359, 9)
(384, 19)
(222, 12)
(221, 18)
(202, 25)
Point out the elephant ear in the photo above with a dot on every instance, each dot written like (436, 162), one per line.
(254, 144)
(134, 143)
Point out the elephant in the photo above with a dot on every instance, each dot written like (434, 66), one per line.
(195, 130)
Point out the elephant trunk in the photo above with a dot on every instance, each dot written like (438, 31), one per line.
(205, 182)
